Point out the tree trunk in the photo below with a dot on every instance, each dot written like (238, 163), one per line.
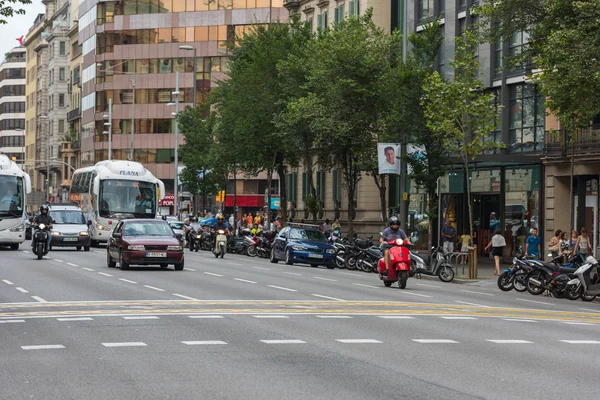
(571, 178)
(234, 196)
(282, 196)
(432, 207)
(470, 210)
(381, 185)
(351, 179)
(269, 181)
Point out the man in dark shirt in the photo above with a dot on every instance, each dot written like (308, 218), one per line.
(390, 233)
(44, 218)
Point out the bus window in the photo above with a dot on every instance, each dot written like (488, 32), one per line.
(86, 182)
(91, 186)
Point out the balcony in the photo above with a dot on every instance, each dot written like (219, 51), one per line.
(584, 142)
(73, 114)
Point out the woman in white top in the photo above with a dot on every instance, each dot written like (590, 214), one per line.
(582, 246)
(497, 244)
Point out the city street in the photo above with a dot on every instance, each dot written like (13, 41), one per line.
(242, 327)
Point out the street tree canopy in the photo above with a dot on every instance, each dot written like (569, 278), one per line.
(8, 8)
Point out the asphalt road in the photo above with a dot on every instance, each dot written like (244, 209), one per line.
(243, 328)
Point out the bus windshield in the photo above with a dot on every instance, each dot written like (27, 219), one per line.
(125, 198)
(11, 197)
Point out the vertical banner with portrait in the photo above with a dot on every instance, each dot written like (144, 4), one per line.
(388, 157)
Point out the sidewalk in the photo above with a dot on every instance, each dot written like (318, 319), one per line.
(485, 269)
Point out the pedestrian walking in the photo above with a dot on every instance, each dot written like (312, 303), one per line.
(249, 221)
(336, 225)
(465, 241)
(326, 227)
(582, 246)
(497, 244)
(533, 244)
(554, 244)
(565, 246)
(448, 235)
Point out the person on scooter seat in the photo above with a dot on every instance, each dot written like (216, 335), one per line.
(44, 218)
(390, 233)
(220, 225)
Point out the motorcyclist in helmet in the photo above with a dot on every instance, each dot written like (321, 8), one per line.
(390, 233)
(44, 218)
(220, 224)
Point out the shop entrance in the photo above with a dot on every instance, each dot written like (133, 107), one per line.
(486, 218)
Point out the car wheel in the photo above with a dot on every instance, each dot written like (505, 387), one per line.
(330, 266)
(14, 246)
(109, 261)
(179, 267)
(78, 248)
(288, 257)
(314, 265)
(86, 248)
(122, 262)
(273, 259)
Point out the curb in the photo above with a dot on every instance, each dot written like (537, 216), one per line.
(458, 281)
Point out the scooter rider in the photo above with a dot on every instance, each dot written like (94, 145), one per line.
(44, 218)
(390, 233)
(220, 225)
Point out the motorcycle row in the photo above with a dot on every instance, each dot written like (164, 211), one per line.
(244, 244)
(573, 278)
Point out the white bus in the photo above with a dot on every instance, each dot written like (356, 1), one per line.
(15, 184)
(114, 190)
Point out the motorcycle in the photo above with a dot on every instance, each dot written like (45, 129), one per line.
(194, 240)
(586, 284)
(515, 277)
(400, 261)
(368, 259)
(438, 265)
(236, 245)
(220, 243)
(40, 244)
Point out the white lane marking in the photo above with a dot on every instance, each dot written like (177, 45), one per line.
(20, 289)
(57, 260)
(142, 317)
(334, 316)
(190, 269)
(202, 342)
(124, 344)
(205, 316)
(360, 284)
(11, 321)
(184, 297)
(43, 347)
(509, 341)
(589, 309)
(581, 341)
(24, 251)
(282, 288)
(349, 273)
(458, 318)
(578, 323)
(73, 265)
(270, 316)
(357, 341)
(426, 285)
(518, 320)
(7, 282)
(236, 264)
(395, 317)
(104, 273)
(261, 268)
(292, 273)
(481, 293)
(154, 288)
(127, 280)
(87, 269)
(283, 341)
(99, 252)
(434, 341)
(413, 294)
(534, 301)
(325, 279)
(75, 319)
(38, 298)
(327, 297)
(243, 280)
(472, 304)
(213, 274)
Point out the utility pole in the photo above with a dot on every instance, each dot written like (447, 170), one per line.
(176, 176)
(404, 144)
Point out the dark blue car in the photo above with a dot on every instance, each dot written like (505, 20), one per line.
(304, 245)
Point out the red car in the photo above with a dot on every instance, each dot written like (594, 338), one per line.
(144, 242)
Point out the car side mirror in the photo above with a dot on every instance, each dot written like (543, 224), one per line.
(89, 223)
(117, 234)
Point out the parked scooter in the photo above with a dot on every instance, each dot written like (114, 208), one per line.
(586, 285)
(438, 265)
(40, 238)
(220, 243)
(399, 264)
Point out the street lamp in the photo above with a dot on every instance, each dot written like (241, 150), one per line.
(99, 65)
(176, 176)
(188, 47)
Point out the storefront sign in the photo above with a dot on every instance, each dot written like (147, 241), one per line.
(168, 201)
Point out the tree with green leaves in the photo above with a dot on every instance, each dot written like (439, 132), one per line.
(8, 8)
(458, 112)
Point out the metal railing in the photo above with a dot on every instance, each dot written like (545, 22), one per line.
(562, 143)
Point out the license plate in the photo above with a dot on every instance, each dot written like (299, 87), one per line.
(69, 239)
(152, 254)
(315, 255)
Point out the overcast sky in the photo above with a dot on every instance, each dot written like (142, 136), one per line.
(17, 26)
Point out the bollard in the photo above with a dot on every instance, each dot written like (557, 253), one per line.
(472, 262)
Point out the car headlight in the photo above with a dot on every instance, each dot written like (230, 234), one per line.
(19, 228)
(174, 248)
(331, 251)
(55, 233)
(136, 247)
(83, 233)
(299, 248)
(101, 227)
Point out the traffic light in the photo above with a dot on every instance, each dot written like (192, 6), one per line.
(220, 196)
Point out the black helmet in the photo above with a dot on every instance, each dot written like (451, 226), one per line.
(44, 207)
(394, 223)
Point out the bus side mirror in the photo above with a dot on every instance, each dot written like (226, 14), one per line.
(96, 186)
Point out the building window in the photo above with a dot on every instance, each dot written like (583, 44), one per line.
(353, 8)
(291, 186)
(76, 76)
(424, 9)
(61, 100)
(61, 126)
(63, 48)
(61, 74)
(336, 187)
(496, 135)
(462, 5)
(322, 20)
(338, 14)
(515, 46)
(498, 64)
(310, 22)
(441, 67)
(527, 118)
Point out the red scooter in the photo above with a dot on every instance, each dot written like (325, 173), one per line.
(399, 264)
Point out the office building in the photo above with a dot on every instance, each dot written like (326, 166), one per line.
(12, 104)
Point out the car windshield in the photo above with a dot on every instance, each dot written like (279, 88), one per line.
(147, 229)
(71, 217)
(11, 196)
(127, 197)
(306, 234)
(177, 225)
